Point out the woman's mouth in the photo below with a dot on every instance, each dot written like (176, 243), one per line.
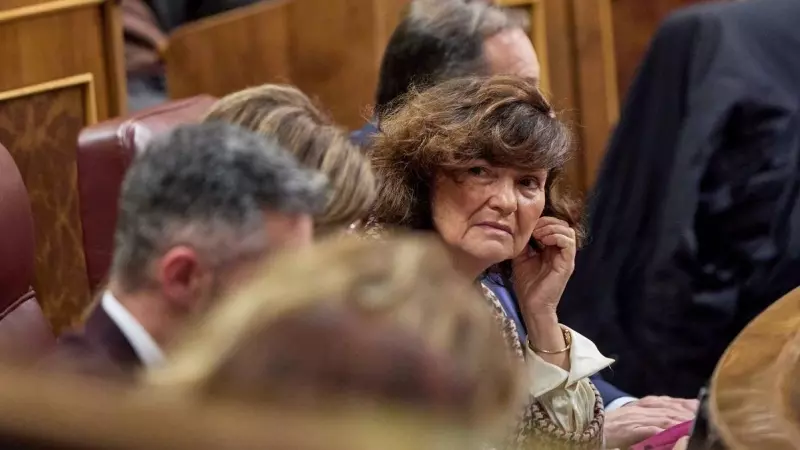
(496, 226)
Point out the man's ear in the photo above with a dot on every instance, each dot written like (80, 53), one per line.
(182, 274)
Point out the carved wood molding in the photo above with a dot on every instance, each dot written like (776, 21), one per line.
(27, 12)
(90, 96)
(40, 124)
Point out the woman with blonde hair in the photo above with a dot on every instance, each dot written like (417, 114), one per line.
(42, 410)
(353, 321)
(288, 115)
(477, 161)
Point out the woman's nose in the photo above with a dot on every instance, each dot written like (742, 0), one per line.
(503, 197)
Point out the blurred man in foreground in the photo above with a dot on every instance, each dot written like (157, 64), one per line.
(198, 208)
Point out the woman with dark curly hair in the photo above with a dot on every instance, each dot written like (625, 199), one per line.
(477, 160)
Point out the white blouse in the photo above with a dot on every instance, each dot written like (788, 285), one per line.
(567, 396)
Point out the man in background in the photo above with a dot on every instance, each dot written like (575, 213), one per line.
(199, 208)
(443, 39)
(440, 40)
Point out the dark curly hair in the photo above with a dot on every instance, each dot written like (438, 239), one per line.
(504, 120)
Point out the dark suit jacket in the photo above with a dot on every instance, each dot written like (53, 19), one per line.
(100, 350)
(695, 218)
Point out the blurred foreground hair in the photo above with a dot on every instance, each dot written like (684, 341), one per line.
(353, 321)
(63, 412)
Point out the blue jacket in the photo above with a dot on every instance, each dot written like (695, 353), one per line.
(607, 390)
(363, 136)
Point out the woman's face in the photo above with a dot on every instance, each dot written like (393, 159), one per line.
(485, 213)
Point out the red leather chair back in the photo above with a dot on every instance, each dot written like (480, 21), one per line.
(25, 334)
(105, 151)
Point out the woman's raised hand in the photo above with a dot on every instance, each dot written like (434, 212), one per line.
(540, 276)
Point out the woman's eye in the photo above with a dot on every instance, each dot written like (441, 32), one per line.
(530, 183)
(478, 171)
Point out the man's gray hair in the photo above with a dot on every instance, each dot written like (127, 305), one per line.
(206, 186)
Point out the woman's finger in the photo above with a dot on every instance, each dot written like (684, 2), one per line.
(554, 229)
(690, 404)
(548, 220)
(558, 240)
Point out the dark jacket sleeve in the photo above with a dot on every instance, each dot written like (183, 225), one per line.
(608, 391)
(692, 212)
(631, 186)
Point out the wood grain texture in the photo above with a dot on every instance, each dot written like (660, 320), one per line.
(40, 117)
(388, 14)
(755, 392)
(72, 41)
(114, 59)
(44, 8)
(330, 49)
(596, 74)
(13, 4)
(35, 125)
(335, 44)
(563, 79)
(574, 41)
(231, 51)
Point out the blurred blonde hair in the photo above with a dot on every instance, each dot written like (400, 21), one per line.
(288, 115)
(40, 410)
(755, 388)
(388, 322)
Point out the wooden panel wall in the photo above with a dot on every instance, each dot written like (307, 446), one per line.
(574, 41)
(62, 70)
(241, 48)
(330, 49)
(596, 77)
(389, 14)
(336, 45)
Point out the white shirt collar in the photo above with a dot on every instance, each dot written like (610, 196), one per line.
(143, 344)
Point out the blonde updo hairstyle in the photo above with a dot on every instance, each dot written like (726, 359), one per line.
(288, 115)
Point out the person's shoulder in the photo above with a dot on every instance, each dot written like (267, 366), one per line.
(75, 354)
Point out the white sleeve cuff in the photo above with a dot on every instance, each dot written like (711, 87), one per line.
(619, 403)
(585, 361)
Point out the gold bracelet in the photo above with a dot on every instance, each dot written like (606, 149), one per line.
(567, 339)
